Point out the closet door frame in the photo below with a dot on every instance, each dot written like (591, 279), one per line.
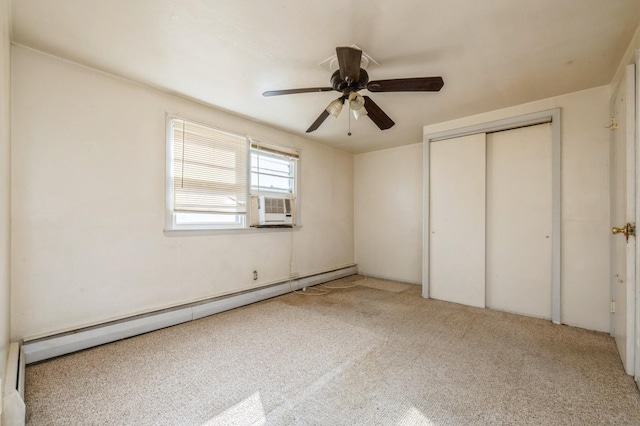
(548, 116)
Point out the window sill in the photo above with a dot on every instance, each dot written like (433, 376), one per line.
(226, 231)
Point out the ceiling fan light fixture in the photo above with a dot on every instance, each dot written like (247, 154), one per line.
(335, 107)
(357, 113)
(356, 101)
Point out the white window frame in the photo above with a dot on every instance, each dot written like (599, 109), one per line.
(242, 224)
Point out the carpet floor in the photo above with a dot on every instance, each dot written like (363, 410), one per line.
(370, 355)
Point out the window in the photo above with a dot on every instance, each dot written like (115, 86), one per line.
(212, 173)
(273, 170)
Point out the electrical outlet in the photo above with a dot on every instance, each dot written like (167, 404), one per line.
(255, 275)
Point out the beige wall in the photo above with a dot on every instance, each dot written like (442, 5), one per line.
(5, 178)
(585, 205)
(388, 211)
(88, 204)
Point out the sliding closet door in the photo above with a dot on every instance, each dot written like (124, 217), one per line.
(457, 220)
(518, 237)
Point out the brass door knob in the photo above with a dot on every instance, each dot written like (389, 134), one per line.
(628, 229)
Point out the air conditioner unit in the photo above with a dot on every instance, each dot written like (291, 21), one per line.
(271, 211)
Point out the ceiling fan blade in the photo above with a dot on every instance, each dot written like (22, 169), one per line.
(349, 62)
(323, 116)
(294, 91)
(420, 84)
(377, 115)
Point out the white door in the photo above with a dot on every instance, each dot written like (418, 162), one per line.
(623, 213)
(457, 220)
(519, 221)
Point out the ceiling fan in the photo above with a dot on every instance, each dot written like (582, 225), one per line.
(350, 78)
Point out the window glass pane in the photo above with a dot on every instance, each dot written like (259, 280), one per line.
(271, 172)
(206, 218)
(271, 183)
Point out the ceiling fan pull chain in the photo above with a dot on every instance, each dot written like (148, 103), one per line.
(349, 133)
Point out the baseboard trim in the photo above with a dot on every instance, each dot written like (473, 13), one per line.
(88, 337)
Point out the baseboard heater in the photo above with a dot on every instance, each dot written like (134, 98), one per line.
(84, 338)
(12, 408)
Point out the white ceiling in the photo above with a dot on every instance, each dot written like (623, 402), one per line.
(491, 54)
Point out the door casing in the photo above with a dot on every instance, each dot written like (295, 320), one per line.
(637, 292)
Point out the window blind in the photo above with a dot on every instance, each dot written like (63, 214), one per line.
(275, 149)
(209, 169)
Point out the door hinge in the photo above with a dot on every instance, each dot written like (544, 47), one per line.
(613, 306)
(613, 124)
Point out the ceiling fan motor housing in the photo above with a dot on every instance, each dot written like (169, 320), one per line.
(340, 85)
